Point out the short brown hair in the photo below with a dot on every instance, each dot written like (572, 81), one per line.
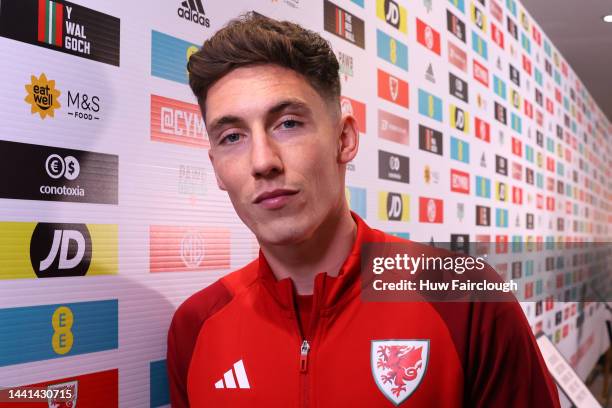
(253, 39)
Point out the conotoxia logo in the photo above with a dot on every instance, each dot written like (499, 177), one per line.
(178, 122)
(42, 96)
(57, 174)
(49, 250)
(181, 249)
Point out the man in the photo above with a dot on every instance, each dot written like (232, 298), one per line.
(290, 329)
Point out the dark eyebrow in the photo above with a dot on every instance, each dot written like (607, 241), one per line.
(281, 106)
(222, 121)
(290, 104)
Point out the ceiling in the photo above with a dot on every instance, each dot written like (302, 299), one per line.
(585, 41)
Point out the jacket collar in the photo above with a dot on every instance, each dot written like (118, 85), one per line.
(329, 291)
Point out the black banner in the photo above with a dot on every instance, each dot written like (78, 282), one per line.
(33, 172)
(430, 140)
(458, 87)
(62, 26)
(340, 22)
(500, 113)
(455, 26)
(394, 167)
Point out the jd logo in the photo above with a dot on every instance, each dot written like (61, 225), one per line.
(459, 119)
(478, 18)
(60, 250)
(392, 13)
(394, 207)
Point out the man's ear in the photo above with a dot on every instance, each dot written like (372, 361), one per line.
(348, 140)
(212, 161)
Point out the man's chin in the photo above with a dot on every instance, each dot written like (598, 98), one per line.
(281, 238)
(281, 234)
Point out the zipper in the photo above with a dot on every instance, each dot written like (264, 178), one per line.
(304, 356)
(305, 350)
(306, 346)
(304, 377)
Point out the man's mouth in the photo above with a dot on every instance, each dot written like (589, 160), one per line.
(274, 199)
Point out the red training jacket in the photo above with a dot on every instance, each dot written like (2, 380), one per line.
(237, 343)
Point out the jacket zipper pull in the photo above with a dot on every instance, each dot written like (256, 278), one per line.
(304, 356)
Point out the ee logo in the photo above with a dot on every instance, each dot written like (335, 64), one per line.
(393, 51)
(190, 51)
(62, 322)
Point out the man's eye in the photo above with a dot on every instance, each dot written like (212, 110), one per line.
(231, 138)
(290, 124)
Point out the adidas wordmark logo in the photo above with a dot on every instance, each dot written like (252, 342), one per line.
(193, 5)
(193, 10)
(235, 374)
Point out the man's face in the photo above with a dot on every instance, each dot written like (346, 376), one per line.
(276, 148)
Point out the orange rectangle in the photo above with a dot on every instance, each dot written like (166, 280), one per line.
(460, 181)
(355, 108)
(392, 89)
(536, 35)
(526, 64)
(497, 35)
(481, 73)
(483, 129)
(517, 195)
(528, 109)
(188, 248)
(178, 122)
(431, 210)
(457, 57)
(496, 10)
(427, 36)
(517, 147)
(393, 127)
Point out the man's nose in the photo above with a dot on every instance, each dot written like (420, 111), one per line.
(265, 155)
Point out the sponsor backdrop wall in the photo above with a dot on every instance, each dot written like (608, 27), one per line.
(473, 128)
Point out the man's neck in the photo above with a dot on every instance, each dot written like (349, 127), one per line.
(325, 251)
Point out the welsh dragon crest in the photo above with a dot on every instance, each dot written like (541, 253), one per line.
(398, 366)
